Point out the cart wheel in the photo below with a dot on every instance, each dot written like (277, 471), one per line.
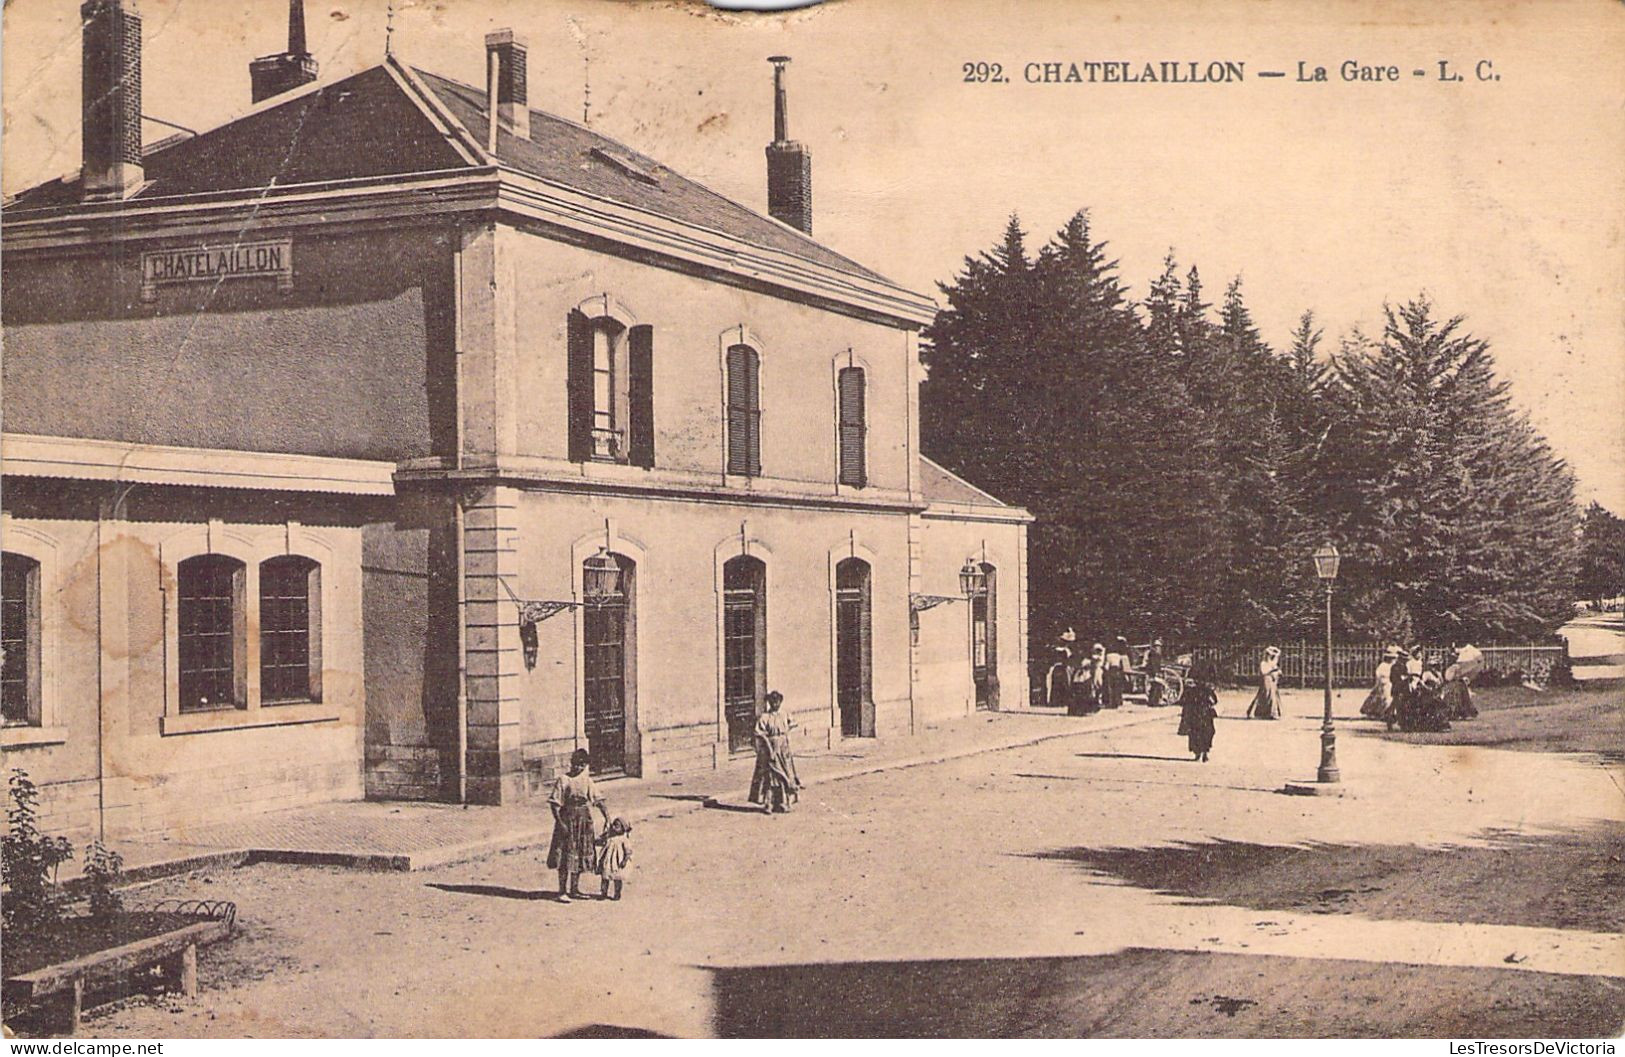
(1176, 687)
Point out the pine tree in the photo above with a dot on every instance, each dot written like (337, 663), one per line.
(977, 351)
(1456, 517)
(1301, 403)
(1162, 306)
(1038, 392)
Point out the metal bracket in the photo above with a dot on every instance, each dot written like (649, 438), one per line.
(536, 612)
(920, 603)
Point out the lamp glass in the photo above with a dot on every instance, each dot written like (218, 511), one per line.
(970, 580)
(1326, 562)
(601, 577)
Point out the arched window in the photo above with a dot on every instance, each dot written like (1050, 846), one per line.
(212, 633)
(290, 630)
(611, 390)
(744, 646)
(20, 639)
(744, 411)
(853, 426)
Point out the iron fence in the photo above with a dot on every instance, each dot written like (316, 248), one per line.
(1303, 663)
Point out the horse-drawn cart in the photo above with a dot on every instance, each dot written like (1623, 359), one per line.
(1171, 674)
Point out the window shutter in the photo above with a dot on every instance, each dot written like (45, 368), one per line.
(579, 387)
(852, 427)
(754, 426)
(640, 371)
(744, 415)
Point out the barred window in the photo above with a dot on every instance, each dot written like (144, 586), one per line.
(211, 620)
(290, 630)
(744, 411)
(20, 639)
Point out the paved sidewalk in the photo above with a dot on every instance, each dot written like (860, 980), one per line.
(393, 835)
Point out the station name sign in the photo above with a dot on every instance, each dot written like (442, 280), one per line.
(270, 259)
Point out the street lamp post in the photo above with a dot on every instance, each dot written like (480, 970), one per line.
(1326, 562)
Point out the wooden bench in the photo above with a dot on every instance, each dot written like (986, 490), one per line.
(175, 951)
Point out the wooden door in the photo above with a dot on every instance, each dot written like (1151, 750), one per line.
(853, 662)
(744, 647)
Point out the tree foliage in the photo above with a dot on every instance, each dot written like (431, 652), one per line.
(1182, 471)
(1602, 555)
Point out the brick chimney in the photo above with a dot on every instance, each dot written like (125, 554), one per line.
(271, 75)
(505, 89)
(111, 101)
(789, 164)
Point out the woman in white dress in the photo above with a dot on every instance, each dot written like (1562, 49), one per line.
(1267, 702)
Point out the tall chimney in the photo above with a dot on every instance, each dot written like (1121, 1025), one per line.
(506, 100)
(271, 75)
(789, 164)
(111, 103)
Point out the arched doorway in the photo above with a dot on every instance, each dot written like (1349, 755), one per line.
(984, 639)
(853, 662)
(744, 647)
(609, 673)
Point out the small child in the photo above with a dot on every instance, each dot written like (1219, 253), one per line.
(615, 860)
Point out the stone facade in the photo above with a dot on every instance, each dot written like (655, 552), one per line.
(398, 414)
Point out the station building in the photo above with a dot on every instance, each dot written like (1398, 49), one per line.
(395, 439)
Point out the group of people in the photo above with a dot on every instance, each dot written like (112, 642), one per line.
(1409, 696)
(1405, 694)
(578, 848)
(1085, 683)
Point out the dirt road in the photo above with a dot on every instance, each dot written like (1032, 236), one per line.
(1099, 885)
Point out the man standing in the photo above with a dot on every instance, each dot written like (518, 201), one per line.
(1153, 674)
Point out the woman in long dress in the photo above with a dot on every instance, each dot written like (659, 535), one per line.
(1197, 710)
(1093, 686)
(775, 784)
(1458, 678)
(1428, 712)
(1116, 679)
(1063, 671)
(575, 846)
(1267, 702)
(1400, 691)
(1380, 701)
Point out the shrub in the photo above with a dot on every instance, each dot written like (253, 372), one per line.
(104, 867)
(30, 860)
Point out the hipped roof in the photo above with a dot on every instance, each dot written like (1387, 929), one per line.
(391, 120)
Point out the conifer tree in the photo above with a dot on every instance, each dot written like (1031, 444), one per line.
(1456, 518)
(1162, 307)
(1182, 473)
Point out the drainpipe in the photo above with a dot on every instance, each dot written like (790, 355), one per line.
(462, 651)
(457, 531)
(101, 667)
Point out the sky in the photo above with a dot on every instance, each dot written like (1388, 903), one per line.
(1502, 200)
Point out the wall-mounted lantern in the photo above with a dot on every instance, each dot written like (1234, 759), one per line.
(972, 584)
(600, 585)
